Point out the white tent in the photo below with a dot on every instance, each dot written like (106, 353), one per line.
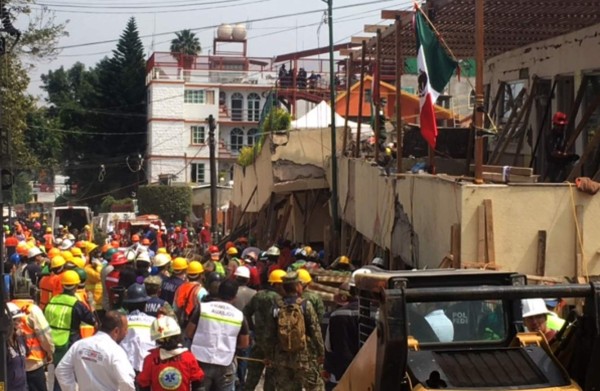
(320, 117)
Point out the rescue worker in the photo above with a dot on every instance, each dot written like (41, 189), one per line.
(273, 254)
(342, 264)
(16, 351)
(293, 368)
(305, 281)
(215, 257)
(99, 362)
(35, 257)
(554, 321)
(170, 284)
(155, 304)
(535, 316)
(40, 345)
(250, 262)
(559, 160)
(110, 286)
(169, 366)
(50, 285)
(243, 297)
(217, 329)
(137, 342)
(259, 312)
(189, 294)
(142, 266)
(93, 283)
(160, 264)
(65, 313)
(86, 330)
(48, 239)
(128, 274)
(106, 270)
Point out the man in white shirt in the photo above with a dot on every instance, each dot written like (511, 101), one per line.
(99, 360)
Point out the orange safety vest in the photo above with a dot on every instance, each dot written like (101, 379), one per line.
(49, 241)
(183, 296)
(85, 330)
(36, 352)
(47, 284)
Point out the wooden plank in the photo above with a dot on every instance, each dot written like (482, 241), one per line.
(554, 280)
(359, 40)
(523, 171)
(405, 16)
(372, 28)
(495, 177)
(455, 245)
(489, 232)
(480, 234)
(480, 265)
(579, 272)
(540, 268)
(588, 154)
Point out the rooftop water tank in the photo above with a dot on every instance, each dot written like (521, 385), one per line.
(224, 31)
(239, 32)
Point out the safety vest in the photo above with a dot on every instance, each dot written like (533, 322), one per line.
(59, 313)
(219, 268)
(183, 296)
(48, 241)
(93, 285)
(215, 339)
(85, 330)
(36, 352)
(47, 284)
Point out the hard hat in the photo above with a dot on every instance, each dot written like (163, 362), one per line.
(276, 276)
(533, 307)
(65, 245)
(105, 248)
(90, 246)
(37, 225)
(114, 244)
(273, 251)
(109, 253)
(76, 251)
(34, 252)
(67, 255)
(195, 267)
(143, 257)
(53, 252)
(304, 276)
(153, 281)
(243, 240)
(14, 311)
(213, 249)
(135, 238)
(559, 118)
(48, 230)
(232, 251)
(146, 242)
(57, 261)
(164, 327)
(69, 278)
(263, 256)
(307, 250)
(118, 259)
(79, 262)
(179, 264)
(161, 260)
(243, 272)
(130, 255)
(344, 260)
(81, 273)
(378, 262)
(22, 249)
(80, 244)
(162, 250)
(15, 258)
(136, 293)
(86, 227)
(357, 272)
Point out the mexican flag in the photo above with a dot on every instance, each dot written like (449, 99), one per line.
(435, 70)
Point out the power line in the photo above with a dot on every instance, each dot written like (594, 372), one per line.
(132, 6)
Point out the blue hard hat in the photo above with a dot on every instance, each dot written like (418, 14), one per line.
(15, 258)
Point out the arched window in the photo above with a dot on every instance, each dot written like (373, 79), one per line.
(237, 107)
(252, 136)
(253, 107)
(236, 139)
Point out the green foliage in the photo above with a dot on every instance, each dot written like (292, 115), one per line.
(187, 43)
(171, 203)
(21, 190)
(276, 120)
(109, 203)
(106, 204)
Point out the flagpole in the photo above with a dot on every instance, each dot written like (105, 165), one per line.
(479, 63)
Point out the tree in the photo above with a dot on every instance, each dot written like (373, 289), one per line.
(187, 43)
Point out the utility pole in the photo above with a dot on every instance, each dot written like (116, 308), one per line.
(479, 62)
(213, 177)
(334, 170)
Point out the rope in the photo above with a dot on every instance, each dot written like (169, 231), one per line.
(579, 235)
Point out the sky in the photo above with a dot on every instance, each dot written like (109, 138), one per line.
(292, 25)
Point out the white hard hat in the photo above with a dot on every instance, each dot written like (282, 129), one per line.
(34, 252)
(242, 271)
(14, 310)
(164, 327)
(130, 254)
(161, 260)
(273, 251)
(355, 273)
(533, 307)
(143, 256)
(65, 245)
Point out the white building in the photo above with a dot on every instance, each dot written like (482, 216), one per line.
(184, 90)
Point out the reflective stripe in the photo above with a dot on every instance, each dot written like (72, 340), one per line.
(138, 325)
(220, 319)
(59, 313)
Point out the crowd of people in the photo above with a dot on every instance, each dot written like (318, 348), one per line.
(143, 317)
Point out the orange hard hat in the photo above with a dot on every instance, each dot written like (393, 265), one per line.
(114, 244)
(106, 247)
(135, 238)
(146, 242)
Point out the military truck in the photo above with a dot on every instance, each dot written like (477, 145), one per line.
(463, 330)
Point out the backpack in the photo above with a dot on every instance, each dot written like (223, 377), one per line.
(291, 328)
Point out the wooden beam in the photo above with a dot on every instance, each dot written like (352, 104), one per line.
(480, 234)
(521, 171)
(405, 16)
(372, 28)
(489, 232)
(359, 40)
(579, 272)
(540, 268)
(455, 245)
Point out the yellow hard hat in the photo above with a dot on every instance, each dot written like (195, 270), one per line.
(195, 267)
(57, 261)
(53, 252)
(344, 260)
(90, 246)
(180, 263)
(276, 276)
(162, 250)
(49, 230)
(304, 276)
(76, 251)
(79, 262)
(70, 277)
(67, 255)
(232, 251)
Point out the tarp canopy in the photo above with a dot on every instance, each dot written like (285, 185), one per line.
(320, 117)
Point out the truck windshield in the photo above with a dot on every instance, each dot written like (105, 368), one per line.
(446, 322)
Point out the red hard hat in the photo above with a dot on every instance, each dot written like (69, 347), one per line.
(213, 249)
(559, 118)
(118, 259)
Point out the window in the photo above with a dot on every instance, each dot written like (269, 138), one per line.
(237, 107)
(197, 174)
(253, 107)
(199, 97)
(198, 134)
(236, 139)
(252, 136)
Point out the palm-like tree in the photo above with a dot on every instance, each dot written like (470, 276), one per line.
(185, 47)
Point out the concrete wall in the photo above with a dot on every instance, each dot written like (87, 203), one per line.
(166, 100)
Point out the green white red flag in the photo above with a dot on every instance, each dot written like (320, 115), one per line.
(435, 70)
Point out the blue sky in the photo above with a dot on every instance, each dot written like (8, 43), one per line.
(104, 20)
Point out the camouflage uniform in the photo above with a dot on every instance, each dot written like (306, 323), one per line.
(260, 308)
(293, 370)
(313, 350)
